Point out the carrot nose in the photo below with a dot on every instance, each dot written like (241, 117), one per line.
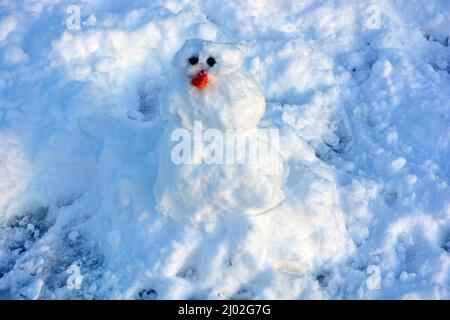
(200, 80)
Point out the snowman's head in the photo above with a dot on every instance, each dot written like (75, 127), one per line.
(210, 85)
(199, 59)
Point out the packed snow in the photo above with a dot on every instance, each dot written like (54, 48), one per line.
(355, 204)
(213, 112)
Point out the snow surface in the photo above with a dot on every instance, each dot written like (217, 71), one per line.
(363, 109)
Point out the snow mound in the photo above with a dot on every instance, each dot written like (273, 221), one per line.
(359, 92)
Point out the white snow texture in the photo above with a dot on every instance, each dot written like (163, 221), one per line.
(356, 205)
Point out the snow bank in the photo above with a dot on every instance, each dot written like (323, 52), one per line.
(359, 92)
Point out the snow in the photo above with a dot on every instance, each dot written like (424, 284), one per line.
(75, 280)
(231, 167)
(358, 91)
(7, 25)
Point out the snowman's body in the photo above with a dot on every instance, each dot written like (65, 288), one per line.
(221, 97)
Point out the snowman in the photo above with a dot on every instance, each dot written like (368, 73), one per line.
(213, 158)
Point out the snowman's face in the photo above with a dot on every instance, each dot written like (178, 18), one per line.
(211, 86)
(199, 60)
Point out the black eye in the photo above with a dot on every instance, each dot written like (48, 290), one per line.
(193, 60)
(211, 61)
